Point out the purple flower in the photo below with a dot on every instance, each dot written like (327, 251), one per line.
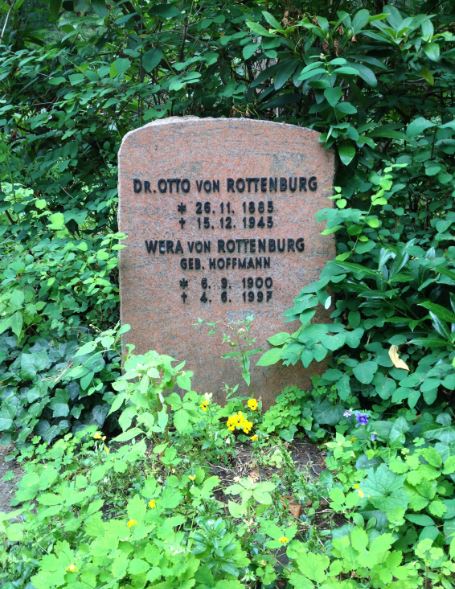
(362, 418)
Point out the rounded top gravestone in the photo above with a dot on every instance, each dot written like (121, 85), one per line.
(220, 223)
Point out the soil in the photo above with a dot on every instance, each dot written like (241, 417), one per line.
(305, 456)
(7, 487)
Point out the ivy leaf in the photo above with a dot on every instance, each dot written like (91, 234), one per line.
(365, 371)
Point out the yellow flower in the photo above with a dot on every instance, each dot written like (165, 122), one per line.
(192, 477)
(283, 539)
(247, 426)
(71, 568)
(152, 503)
(254, 438)
(97, 436)
(359, 490)
(106, 449)
(252, 404)
(204, 405)
(230, 423)
(131, 523)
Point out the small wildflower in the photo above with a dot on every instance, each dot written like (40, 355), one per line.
(97, 436)
(362, 418)
(254, 438)
(360, 493)
(152, 503)
(192, 477)
(373, 437)
(106, 449)
(347, 413)
(131, 523)
(283, 539)
(252, 404)
(204, 405)
(71, 568)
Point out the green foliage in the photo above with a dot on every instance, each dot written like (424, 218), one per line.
(151, 507)
(384, 294)
(376, 85)
(150, 510)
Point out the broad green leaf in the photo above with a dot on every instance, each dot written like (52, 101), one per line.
(417, 126)
(360, 19)
(258, 29)
(365, 371)
(432, 51)
(128, 435)
(249, 50)
(119, 67)
(151, 59)
(333, 95)
(272, 21)
(270, 357)
(57, 221)
(346, 151)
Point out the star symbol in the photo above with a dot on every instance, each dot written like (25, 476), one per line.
(184, 283)
(181, 208)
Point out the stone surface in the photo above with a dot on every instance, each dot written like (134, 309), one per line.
(199, 200)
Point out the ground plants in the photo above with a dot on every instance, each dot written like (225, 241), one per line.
(171, 489)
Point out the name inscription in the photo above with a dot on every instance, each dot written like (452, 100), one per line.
(200, 260)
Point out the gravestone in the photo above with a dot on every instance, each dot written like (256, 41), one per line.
(220, 219)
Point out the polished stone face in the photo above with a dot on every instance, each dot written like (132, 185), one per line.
(220, 218)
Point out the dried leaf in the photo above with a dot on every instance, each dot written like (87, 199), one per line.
(295, 508)
(396, 360)
(254, 475)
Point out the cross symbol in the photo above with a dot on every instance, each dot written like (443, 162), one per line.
(181, 208)
(184, 297)
(182, 222)
(184, 283)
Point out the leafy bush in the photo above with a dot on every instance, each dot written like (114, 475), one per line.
(393, 314)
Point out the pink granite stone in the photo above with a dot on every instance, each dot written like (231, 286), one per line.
(220, 219)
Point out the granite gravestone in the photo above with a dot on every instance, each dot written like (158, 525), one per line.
(220, 219)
